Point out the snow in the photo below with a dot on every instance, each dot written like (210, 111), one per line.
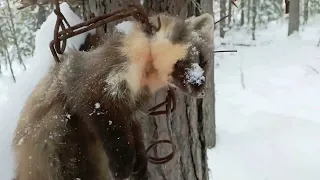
(125, 27)
(195, 74)
(2, 4)
(267, 112)
(268, 129)
(97, 105)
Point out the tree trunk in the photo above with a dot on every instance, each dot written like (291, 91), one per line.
(242, 13)
(248, 11)
(41, 16)
(229, 12)
(14, 35)
(306, 11)
(294, 18)
(192, 123)
(222, 23)
(7, 55)
(254, 16)
(99, 7)
(208, 104)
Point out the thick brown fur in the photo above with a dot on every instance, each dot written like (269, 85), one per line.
(79, 120)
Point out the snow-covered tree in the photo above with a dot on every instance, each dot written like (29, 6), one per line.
(18, 29)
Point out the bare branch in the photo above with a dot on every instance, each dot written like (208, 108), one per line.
(222, 19)
(225, 51)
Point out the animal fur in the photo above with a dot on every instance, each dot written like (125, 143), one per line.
(78, 123)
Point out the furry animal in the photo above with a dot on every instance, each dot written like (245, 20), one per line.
(78, 123)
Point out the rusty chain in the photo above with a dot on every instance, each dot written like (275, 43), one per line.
(139, 14)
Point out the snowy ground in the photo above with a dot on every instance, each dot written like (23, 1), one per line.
(268, 126)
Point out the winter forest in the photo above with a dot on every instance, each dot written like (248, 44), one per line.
(259, 117)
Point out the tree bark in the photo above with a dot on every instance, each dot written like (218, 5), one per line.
(192, 122)
(177, 7)
(208, 103)
(294, 18)
(99, 7)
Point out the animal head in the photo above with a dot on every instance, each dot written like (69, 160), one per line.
(175, 54)
(177, 50)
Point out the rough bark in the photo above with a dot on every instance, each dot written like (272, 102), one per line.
(294, 18)
(208, 104)
(192, 120)
(177, 7)
(99, 7)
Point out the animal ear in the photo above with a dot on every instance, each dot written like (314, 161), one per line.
(203, 23)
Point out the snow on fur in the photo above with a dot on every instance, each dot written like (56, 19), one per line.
(195, 74)
(14, 95)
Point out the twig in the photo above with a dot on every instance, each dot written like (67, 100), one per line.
(225, 51)
(232, 2)
(222, 18)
